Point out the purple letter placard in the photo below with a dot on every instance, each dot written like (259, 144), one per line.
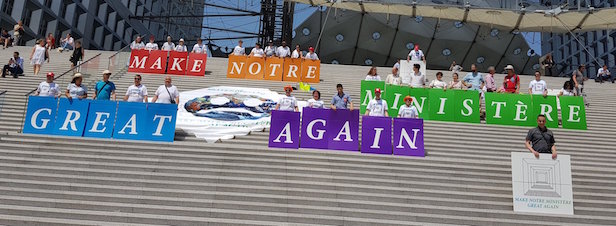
(284, 129)
(343, 130)
(314, 122)
(376, 135)
(408, 137)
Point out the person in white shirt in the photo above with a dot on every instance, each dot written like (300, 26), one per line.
(456, 84)
(297, 53)
(397, 65)
(372, 75)
(67, 43)
(257, 51)
(603, 74)
(181, 47)
(169, 45)
(567, 89)
(151, 45)
(76, 89)
(239, 50)
(311, 55)
(416, 55)
(455, 68)
(418, 80)
(283, 50)
(377, 106)
(393, 78)
(137, 44)
(48, 88)
(167, 93)
(316, 101)
(199, 47)
(137, 92)
(288, 102)
(408, 110)
(438, 82)
(538, 86)
(270, 50)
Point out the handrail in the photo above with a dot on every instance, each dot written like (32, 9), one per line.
(2, 93)
(118, 52)
(66, 72)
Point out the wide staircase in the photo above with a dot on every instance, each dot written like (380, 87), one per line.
(465, 179)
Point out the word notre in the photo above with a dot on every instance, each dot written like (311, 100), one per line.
(274, 69)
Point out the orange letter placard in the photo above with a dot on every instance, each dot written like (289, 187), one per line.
(177, 63)
(196, 64)
(311, 71)
(292, 70)
(138, 60)
(236, 67)
(273, 68)
(156, 63)
(255, 67)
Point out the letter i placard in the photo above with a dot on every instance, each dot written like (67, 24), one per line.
(284, 129)
(376, 135)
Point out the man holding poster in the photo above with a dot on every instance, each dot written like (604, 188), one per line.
(540, 139)
(377, 106)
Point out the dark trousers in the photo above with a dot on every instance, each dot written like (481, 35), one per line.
(14, 70)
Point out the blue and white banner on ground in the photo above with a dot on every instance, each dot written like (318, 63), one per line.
(541, 185)
(94, 118)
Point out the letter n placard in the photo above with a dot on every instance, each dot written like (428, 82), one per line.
(376, 135)
(408, 137)
(314, 123)
(236, 67)
(284, 130)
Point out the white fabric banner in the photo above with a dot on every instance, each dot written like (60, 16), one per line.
(406, 68)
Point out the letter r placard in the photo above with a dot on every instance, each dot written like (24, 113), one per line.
(284, 130)
(71, 118)
(314, 123)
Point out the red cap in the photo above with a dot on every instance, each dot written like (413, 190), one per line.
(311, 48)
(377, 90)
(416, 47)
(50, 74)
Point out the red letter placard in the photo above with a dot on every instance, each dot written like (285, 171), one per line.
(311, 70)
(138, 60)
(273, 68)
(157, 62)
(255, 67)
(177, 63)
(292, 70)
(236, 67)
(196, 64)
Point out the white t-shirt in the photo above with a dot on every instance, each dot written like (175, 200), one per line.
(373, 78)
(601, 71)
(538, 87)
(312, 56)
(136, 93)
(377, 107)
(315, 103)
(393, 80)
(408, 111)
(168, 46)
(417, 80)
(287, 103)
(257, 52)
(135, 45)
(416, 55)
(48, 89)
(199, 48)
(295, 54)
(438, 84)
(163, 95)
(151, 46)
(76, 91)
(70, 41)
(181, 48)
(239, 51)
(566, 93)
(270, 51)
(283, 51)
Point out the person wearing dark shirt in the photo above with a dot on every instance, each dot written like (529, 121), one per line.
(540, 139)
(15, 66)
(77, 54)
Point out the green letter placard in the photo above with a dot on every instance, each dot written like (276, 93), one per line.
(367, 93)
(394, 95)
(497, 106)
(522, 110)
(573, 111)
(441, 105)
(421, 102)
(547, 107)
(466, 106)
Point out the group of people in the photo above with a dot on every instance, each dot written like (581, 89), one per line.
(8, 40)
(339, 101)
(273, 51)
(169, 45)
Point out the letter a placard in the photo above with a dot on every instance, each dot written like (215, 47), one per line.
(408, 137)
(284, 130)
(343, 130)
(156, 63)
(314, 123)
(376, 135)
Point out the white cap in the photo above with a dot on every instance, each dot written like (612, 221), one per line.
(181, 40)
(509, 67)
(106, 72)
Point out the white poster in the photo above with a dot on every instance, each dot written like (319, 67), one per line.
(406, 69)
(541, 185)
(223, 112)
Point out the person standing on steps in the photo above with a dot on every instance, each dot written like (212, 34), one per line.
(105, 89)
(48, 88)
(167, 93)
(288, 102)
(137, 92)
(341, 100)
(540, 139)
(78, 54)
(377, 106)
(39, 55)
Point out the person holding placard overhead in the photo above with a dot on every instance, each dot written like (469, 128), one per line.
(416, 55)
(408, 110)
(538, 86)
(288, 102)
(377, 106)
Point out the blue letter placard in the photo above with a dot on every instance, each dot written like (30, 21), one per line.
(71, 118)
(161, 122)
(131, 123)
(100, 119)
(41, 115)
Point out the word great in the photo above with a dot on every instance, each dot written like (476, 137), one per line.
(339, 130)
(464, 106)
(101, 119)
(274, 69)
(155, 62)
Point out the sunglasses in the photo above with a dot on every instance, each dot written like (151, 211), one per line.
(137, 79)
